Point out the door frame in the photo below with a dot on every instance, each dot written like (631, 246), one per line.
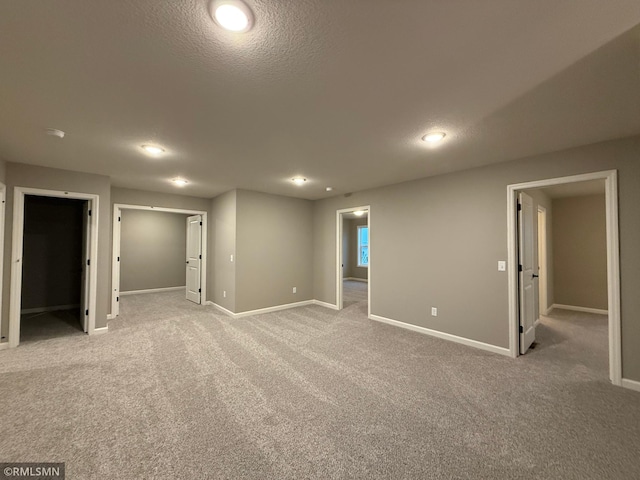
(15, 298)
(339, 279)
(613, 261)
(115, 254)
(543, 284)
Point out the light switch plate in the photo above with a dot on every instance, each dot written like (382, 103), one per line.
(502, 266)
(434, 311)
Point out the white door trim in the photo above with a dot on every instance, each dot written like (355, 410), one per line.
(3, 199)
(115, 254)
(543, 285)
(613, 261)
(16, 255)
(339, 255)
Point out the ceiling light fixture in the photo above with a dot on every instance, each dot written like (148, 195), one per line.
(359, 213)
(153, 150)
(232, 15)
(180, 182)
(54, 132)
(434, 137)
(328, 189)
(299, 180)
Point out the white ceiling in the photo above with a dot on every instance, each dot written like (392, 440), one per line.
(339, 92)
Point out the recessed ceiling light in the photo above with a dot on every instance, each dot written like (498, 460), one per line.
(153, 150)
(299, 180)
(434, 137)
(180, 182)
(232, 15)
(359, 213)
(54, 132)
(328, 189)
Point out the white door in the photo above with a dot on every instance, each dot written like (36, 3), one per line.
(86, 266)
(527, 272)
(194, 257)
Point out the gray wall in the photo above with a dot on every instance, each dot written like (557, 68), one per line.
(580, 246)
(351, 262)
(54, 179)
(222, 235)
(153, 250)
(453, 230)
(274, 244)
(52, 252)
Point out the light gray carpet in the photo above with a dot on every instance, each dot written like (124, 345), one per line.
(44, 325)
(178, 391)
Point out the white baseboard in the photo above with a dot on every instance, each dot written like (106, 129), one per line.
(325, 304)
(49, 309)
(4, 345)
(579, 309)
(111, 316)
(444, 336)
(100, 330)
(536, 323)
(152, 290)
(631, 384)
(221, 308)
(354, 279)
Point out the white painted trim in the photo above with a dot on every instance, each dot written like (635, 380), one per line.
(4, 345)
(325, 304)
(16, 255)
(3, 212)
(354, 279)
(630, 384)
(442, 335)
(261, 311)
(115, 265)
(613, 261)
(55, 308)
(111, 317)
(537, 322)
(543, 284)
(100, 331)
(339, 277)
(152, 290)
(579, 309)
(222, 309)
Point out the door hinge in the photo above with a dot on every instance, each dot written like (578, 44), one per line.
(117, 299)
(519, 268)
(200, 257)
(86, 312)
(118, 258)
(200, 223)
(199, 290)
(519, 206)
(118, 218)
(88, 261)
(89, 212)
(521, 329)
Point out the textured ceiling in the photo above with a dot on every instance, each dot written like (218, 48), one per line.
(337, 91)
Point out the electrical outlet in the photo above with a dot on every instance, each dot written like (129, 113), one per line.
(502, 266)
(434, 311)
(295, 289)
(231, 257)
(224, 294)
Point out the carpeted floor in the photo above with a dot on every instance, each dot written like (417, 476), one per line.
(41, 326)
(179, 391)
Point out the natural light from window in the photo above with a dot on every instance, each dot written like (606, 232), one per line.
(363, 246)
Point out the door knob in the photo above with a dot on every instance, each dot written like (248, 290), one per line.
(535, 276)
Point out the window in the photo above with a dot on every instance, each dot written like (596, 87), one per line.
(363, 246)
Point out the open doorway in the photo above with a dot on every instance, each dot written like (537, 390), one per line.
(564, 283)
(158, 250)
(53, 278)
(353, 257)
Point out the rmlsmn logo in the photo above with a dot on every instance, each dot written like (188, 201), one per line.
(31, 471)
